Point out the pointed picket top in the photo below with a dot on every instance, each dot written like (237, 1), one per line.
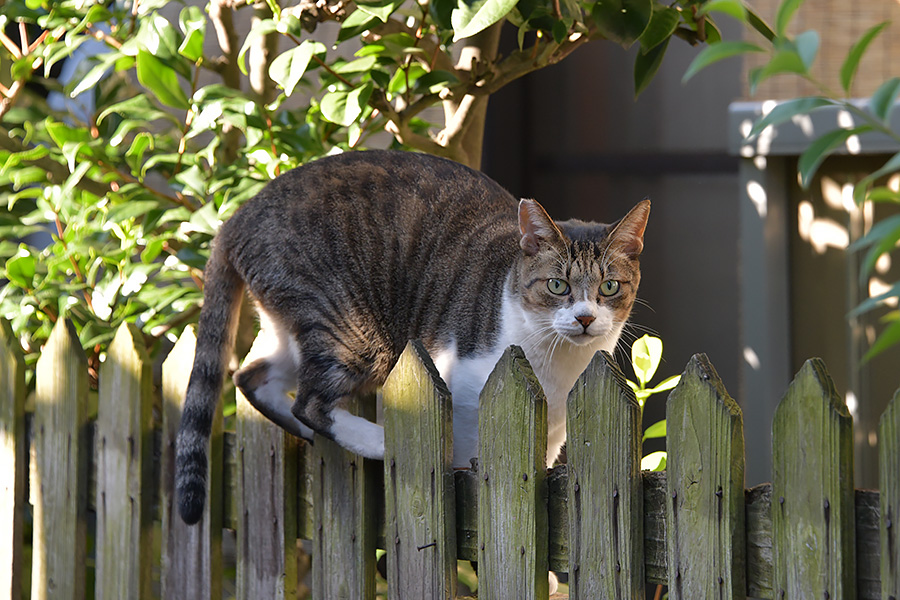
(512, 497)
(61, 465)
(812, 490)
(124, 451)
(191, 555)
(12, 461)
(418, 472)
(889, 486)
(605, 499)
(705, 477)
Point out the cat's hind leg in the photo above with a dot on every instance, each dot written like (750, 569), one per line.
(269, 374)
(323, 382)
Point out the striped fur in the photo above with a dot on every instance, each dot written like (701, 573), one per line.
(350, 257)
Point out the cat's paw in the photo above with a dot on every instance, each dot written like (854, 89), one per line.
(554, 582)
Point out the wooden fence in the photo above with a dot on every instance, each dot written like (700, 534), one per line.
(611, 527)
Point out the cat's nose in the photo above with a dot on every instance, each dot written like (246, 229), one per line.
(585, 320)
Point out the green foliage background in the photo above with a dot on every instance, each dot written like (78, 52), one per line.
(109, 215)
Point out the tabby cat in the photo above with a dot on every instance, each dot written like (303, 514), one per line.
(350, 257)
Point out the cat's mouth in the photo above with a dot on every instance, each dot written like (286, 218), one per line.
(580, 339)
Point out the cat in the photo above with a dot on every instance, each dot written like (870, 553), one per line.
(349, 257)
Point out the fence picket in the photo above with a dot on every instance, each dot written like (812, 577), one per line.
(812, 490)
(705, 475)
(344, 513)
(889, 467)
(512, 495)
(191, 555)
(606, 505)
(12, 462)
(59, 478)
(265, 497)
(123, 449)
(420, 498)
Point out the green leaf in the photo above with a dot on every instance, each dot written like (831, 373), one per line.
(344, 107)
(434, 82)
(666, 385)
(785, 13)
(356, 23)
(646, 352)
(821, 148)
(879, 231)
(20, 269)
(883, 194)
(160, 79)
(874, 302)
(96, 73)
(646, 66)
(381, 9)
(622, 21)
(193, 24)
(807, 47)
(264, 27)
(890, 167)
(471, 17)
(785, 111)
(884, 245)
(655, 461)
(288, 68)
(851, 63)
(732, 8)
(657, 430)
(716, 52)
(882, 102)
(784, 61)
(889, 337)
(662, 25)
(756, 22)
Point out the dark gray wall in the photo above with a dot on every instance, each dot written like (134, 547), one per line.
(573, 137)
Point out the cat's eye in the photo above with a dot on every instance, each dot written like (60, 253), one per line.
(609, 287)
(558, 287)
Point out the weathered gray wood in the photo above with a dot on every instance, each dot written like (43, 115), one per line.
(603, 446)
(123, 448)
(344, 513)
(889, 484)
(59, 478)
(420, 512)
(512, 496)
(655, 501)
(12, 462)
(812, 490)
(868, 546)
(265, 502)
(705, 476)
(191, 555)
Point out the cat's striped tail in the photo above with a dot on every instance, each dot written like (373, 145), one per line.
(215, 339)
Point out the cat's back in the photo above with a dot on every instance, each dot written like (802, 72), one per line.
(405, 236)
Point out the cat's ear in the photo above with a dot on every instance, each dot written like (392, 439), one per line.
(628, 234)
(537, 228)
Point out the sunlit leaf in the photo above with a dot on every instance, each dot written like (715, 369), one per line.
(160, 79)
(20, 269)
(851, 63)
(646, 352)
(193, 25)
(288, 68)
(666, 385)
(875, 301)
(655, 461)
(890, 167)
(657, 430)
(344, 107)
(469, 18)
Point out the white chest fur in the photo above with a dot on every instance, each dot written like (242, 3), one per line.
(557, 363)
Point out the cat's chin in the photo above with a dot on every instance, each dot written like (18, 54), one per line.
(582, 339)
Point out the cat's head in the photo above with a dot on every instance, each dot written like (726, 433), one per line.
(579, 279)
